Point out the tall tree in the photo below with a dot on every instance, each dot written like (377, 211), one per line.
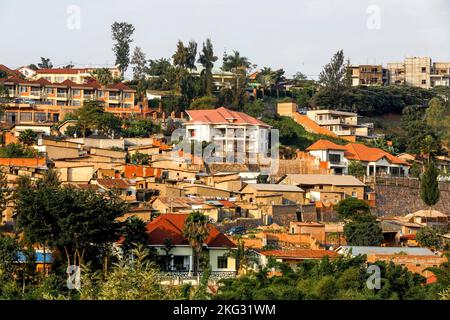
(122, 35)
(207, 59)
(437, 117)
(134, 233)
(45, 63)
(196, 231)
(333, 80)
(429, 185)
(235, 62)
(89, 116)
(184, 61)
(139, 64)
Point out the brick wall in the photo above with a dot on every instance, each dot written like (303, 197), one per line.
(400, 200)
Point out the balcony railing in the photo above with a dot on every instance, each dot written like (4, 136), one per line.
(61, 95)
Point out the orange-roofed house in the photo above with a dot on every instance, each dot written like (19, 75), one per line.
(169, 227)
(236, 132)
(376, 161)
(331, 152)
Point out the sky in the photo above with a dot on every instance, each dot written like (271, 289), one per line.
(296, 35)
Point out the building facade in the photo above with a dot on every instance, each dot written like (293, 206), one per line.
(233, 133)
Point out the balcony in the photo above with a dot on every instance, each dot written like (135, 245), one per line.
(61, 95)
(88, 96)
(329, 121)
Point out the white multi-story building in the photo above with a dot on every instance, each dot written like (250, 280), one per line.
(343, 124)
(233, 133)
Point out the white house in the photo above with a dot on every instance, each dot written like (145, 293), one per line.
(233, 133)
(168, 227)
(328, 151)
(377, 162)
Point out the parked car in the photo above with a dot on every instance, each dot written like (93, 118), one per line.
(236, 230)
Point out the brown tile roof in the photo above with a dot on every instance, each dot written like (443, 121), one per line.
(114, 183)
(9, 72)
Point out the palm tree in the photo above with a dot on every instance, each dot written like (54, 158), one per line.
(28, 137)
(235, 62)
(196, 230)
(244, 257)
(207, 59)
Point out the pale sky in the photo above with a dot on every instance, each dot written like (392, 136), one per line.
(297, 35)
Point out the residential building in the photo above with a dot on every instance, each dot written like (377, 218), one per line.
(414, 259)
(235, 133)
(368, 75)
(326, 188)
(169, 227)
(275, 193)
(344, 124)
(419, 72)
(293, 257)
(333, 153)
(377, 161)
(44, 101)
(77, 75)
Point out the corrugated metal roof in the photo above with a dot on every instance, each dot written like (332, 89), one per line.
(361, 250)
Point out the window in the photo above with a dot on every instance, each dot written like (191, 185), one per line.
(49, 90)
(23, 89)
(222, 262)
(59, 79)
(354, 194)
(424, 69)
(127, 95)
(335, 158)
(101, 94)
(424, 81)
(75, 92)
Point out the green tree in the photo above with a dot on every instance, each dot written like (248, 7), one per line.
(428, 237)
(140, 158)
(361, 227)
(89, 116)
(356, 168)
(207, 59)
(70, 220)
(5, 191)
(134, 232)
(9, 254)
(333, 82)
(103, 76)
(45, 63)
(235, 62)
(429, 185)
(139, 63)
(438, 117)
(138, 279)
(18, 150)
(196, 231)
(28, 137)
(204, 103)
(122, 33)
(255, 108)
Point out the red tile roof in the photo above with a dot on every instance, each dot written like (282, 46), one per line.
(222, 115)
(360, 152)
(9, 71)
(323, 144)
(300, 254)
(170, 226)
